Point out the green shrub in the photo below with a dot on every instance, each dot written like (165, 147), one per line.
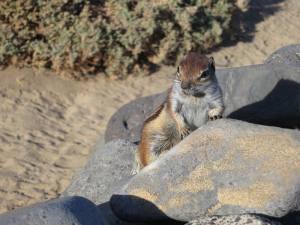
(118, 37)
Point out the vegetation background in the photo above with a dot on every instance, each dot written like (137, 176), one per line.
(118, 37)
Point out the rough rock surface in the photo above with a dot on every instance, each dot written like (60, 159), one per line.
(226, 167)
(289, 55)
(62, 211)
(108, 169)
(253, 94)
(246, 219)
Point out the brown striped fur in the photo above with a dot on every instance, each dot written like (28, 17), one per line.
(144, 144)
(161, 122)
(191, 66)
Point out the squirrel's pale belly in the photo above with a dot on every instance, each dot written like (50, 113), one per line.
(195, 113)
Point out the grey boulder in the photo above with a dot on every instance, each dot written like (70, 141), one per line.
(62, 211)
(289, 55)
(261, 94)
(108, 169)
(225, 167)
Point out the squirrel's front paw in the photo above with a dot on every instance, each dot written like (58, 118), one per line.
(215, 114)
(184, 132)
(215, 117)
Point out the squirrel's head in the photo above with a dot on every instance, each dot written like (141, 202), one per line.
(195, 73)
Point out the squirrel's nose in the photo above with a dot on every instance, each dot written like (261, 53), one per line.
(185, 85)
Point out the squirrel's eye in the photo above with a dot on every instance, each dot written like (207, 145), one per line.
(178, 73)
(204, 74)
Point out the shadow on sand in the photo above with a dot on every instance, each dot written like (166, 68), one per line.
(244, 23)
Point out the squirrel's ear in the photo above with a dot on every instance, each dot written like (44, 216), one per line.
(211, 63)
(178, 73)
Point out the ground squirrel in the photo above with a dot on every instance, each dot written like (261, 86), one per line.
(194, 98)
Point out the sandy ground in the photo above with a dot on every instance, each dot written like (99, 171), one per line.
(48, 125)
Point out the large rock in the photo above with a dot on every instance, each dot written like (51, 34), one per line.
(108, 169)
(226, 167)
(289, 55)
(63, 211)
(261, 94)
